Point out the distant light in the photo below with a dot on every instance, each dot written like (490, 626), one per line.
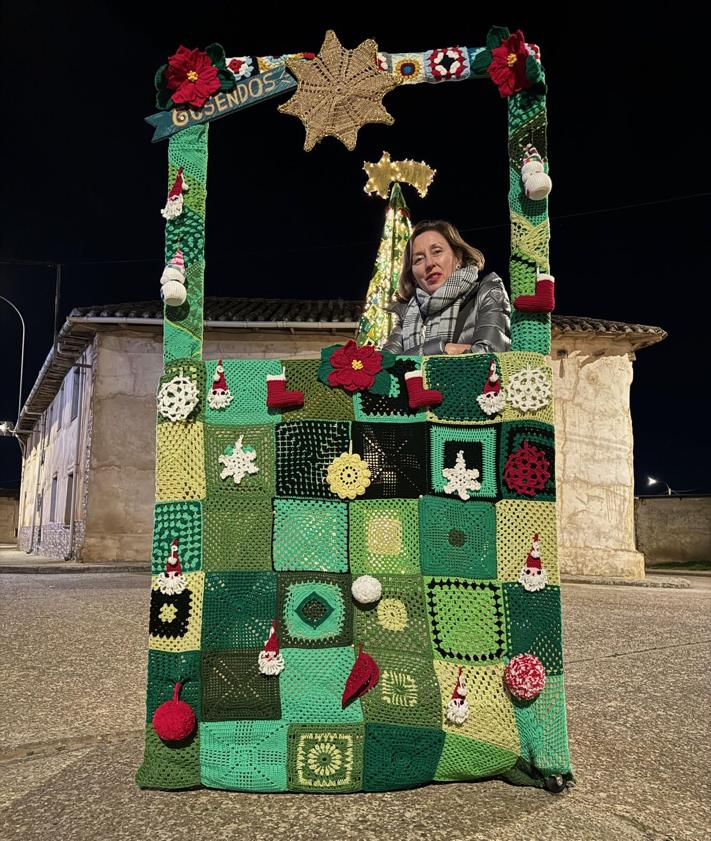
(652, 481)
(6, 428)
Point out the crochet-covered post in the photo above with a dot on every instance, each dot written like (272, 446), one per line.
(182, 329)
(530, 229)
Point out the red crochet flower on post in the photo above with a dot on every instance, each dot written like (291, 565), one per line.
(508, 65)
(355, 367)
(192, 77)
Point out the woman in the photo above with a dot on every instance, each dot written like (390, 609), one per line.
(442, 304)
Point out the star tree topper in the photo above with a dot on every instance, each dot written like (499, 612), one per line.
(384, 172)
(339, 91)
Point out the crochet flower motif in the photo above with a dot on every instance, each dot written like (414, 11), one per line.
(392, 614)
(324, 759)
(242, 67)
(527, 470)
(177, 398)
(354, 367)
(529, 390)
(461, 479)
(508, 61)
(447, 64)
(238, 461)
(348, 475)
(191, 77)
(339, 91)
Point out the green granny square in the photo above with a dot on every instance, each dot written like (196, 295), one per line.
(310, 534)
(383, 537)
(457, 538)
(247, 381)
(181, 521)
(398, 620)
(238, 537)
(461, 380)
(234, 688)
(315, 610)
(324, 758)
(312, 684)
(399, 757)
(169, 766)
(165, 669)
(238, 609)
(244, 755)
(229, 442)
(478, 448)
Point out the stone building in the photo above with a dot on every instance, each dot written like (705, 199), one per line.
(88, 426)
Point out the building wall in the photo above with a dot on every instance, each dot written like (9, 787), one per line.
(9, 508)
(52, 453)
(594, 458)
(674, 529)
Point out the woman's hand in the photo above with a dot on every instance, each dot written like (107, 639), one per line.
(452, 348)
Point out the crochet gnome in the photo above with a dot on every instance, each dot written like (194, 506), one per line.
(220, 395)
(172, 582)
(174, 206)
(173, 281)
(493, 399)
(458, 708)
(536, 182)
(533, 576)
(270, 660)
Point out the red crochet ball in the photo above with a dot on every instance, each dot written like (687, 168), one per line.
(174, 721)
(525, 677)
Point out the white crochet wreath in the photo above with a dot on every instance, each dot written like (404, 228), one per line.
(529, 390)
(177, 398)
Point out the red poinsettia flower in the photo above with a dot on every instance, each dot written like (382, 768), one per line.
(192, 77)
(354, 367)
(508, 65)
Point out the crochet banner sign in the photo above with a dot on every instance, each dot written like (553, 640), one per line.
(250, 92)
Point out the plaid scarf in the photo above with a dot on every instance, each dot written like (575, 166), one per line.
(439, 310)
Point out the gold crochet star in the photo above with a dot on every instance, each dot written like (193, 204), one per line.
(339, 91)
(380, 175)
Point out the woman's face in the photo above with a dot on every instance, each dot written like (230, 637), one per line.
(433, 260)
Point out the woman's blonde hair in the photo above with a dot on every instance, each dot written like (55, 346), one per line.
(466, 254)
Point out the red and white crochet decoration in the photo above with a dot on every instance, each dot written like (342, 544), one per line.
(174, 206)
(449, 63)
(525, 677)
(458, 708)
(493, 398)
(174, 720)
(364, 675)
(270, 660)
(172, 582)
(278, 397)
(533, 576)
(536, 181)
(220, 395)
(172, 282)
(417, 395)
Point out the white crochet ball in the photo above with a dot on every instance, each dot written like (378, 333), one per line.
(538, 185)
(366, 589)
(173, 293)
(531, 167)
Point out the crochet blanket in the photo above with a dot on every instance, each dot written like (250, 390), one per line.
(350, 594)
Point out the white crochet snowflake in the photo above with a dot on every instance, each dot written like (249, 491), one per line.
(239, 462)
(460, 479)
(177, 398)
(529, 390)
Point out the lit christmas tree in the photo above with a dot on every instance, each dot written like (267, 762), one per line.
(376, 322)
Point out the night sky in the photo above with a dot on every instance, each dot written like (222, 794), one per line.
(82, 184)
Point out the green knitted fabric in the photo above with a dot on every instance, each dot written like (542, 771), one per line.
(383, 537)
(244, 755)
(247, 382)
(457, 538)
(325, 644)
(181, 521)
(310, 535)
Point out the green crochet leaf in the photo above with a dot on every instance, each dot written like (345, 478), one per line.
(216, 54)
(481, 62)
(382, 384)
(324, 369)
(495, 36)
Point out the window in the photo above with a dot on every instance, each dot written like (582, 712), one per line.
(68, 500)
(53, 500)
(76, 383)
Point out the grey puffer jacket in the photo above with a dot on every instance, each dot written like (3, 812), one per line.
(487, 326)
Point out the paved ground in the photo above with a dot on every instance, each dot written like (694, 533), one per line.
(72, 653)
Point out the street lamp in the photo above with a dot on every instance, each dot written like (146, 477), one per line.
(652, 481)
(22, 365)
(7, 428)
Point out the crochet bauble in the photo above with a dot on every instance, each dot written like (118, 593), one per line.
(174, 720)
(537, 185)
(174, 293)
(525, 677)
(366, 589)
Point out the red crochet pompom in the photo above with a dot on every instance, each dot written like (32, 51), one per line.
(174, 720)
(525, 677)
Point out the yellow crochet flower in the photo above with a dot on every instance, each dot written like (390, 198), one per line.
(348, 475)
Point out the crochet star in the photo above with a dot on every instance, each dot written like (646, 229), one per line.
(461, 479)
(339, 91)
(239, 462)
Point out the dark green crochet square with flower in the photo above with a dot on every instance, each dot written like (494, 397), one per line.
(238, 609)
(228, 476)
(399, 757)
(534, 624)
(457, 538)
(323, 758)
(304, 450)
